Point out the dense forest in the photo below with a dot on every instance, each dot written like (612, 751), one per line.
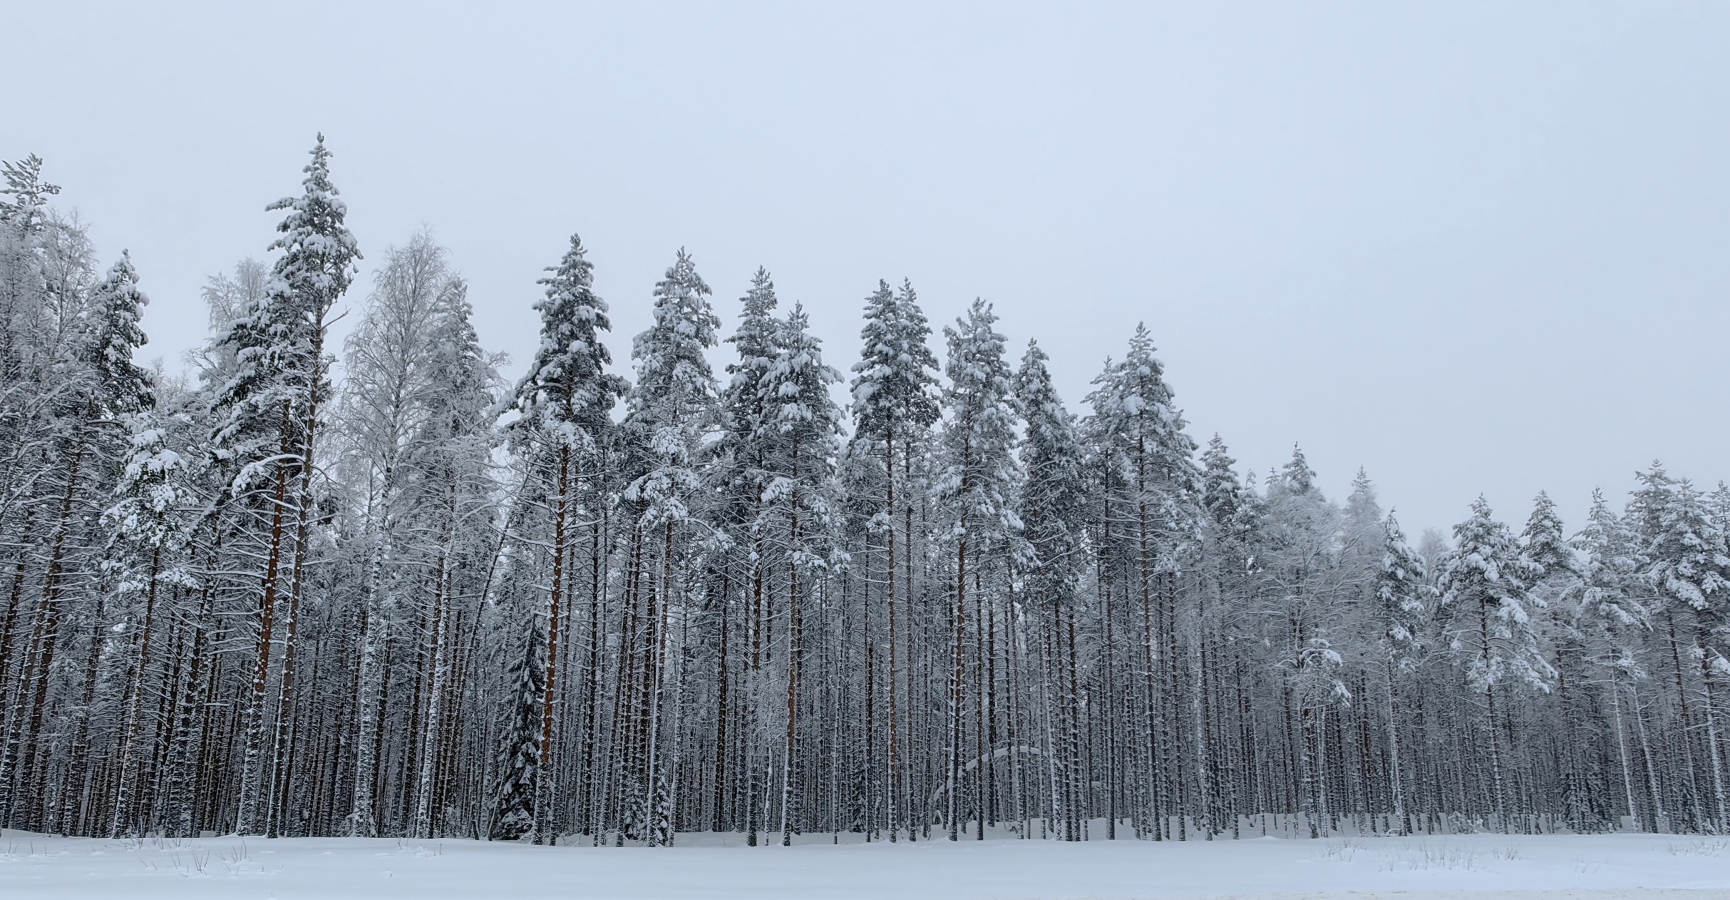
(611, 602)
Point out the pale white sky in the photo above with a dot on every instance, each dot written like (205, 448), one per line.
(1470, 247)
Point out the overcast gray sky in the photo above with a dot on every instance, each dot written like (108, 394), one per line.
(1469, 247)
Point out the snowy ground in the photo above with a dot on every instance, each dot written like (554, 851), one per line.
(1607, 867)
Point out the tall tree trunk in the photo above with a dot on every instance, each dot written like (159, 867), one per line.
(125, 818)
(893, 806)
(249, 818)
(958, 614)
(544, 763)
(795, 650)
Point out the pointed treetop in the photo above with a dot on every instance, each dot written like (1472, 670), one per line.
(1139, 431)
(675, 385)
(1361, 506)
(120, 304)
(754, 339)
(1543, 540)
(1685, 554)
(1296, 474)
(320, 254)
(1605, 594)
(798, 382)
(1221, 492)
(567, 390)
(1054, 493)
(895, 379)
(980, 431)
(1400, 594)
(745, 401)
(1037, 397)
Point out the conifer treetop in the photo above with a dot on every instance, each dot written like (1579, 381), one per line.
(124, 386)
(756, 342)
(895, 382)
(1544, 542)
(1400, 595)
(320, 254)
(567, 391)
(674, 381)
(979, 433)
(1487, 601)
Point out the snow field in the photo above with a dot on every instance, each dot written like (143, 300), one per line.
(1457, 867)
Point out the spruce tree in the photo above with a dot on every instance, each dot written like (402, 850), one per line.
(147, 519)
(147, 557)
(1544, 543)
(519, 771)
(121, 385)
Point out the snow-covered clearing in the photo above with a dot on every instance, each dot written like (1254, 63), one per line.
(1608, 867)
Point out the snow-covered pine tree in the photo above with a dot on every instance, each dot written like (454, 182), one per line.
(1054, 512)
(1398, 609)
(1486, 607)
(1544, 543)
(1149, 517)
(148, 526)
(1231, 520)
(318, 262)
(803, 427)
(976, 491)
(742, 472)
(1300, 561)
(117, 305)
(1597, 624)
(1361, 530)
(1684, 564)
(1402, 600)
(266, 432)
(895, 403)
(670, 413)
(148, 521)
(115, 390)
(565, 402)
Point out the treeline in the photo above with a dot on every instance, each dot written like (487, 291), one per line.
(424, 601)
